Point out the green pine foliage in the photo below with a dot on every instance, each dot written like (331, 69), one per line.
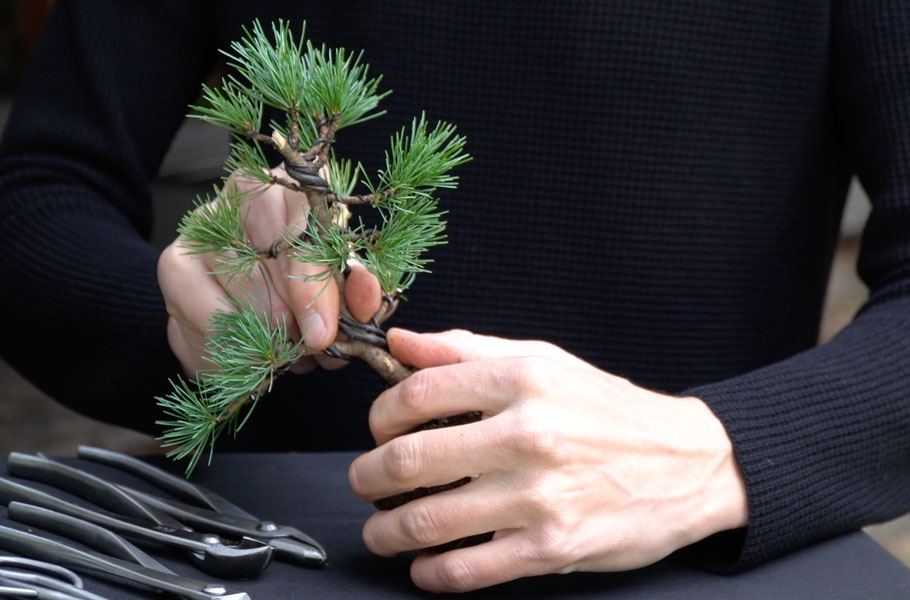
(246, 159)
(420, 160)
(246, 351)
(320, 91)
(215, 228)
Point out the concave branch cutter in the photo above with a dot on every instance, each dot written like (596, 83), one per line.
(209, 511)
(131, 517)
(118, 559)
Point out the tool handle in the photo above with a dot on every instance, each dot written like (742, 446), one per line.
(172, 484)
(83, 531)
(220, 516)
(50, 582)
(199, 518)
(17, 592)
(88, 486)
(140, 529)
(207, 551)
(10, 591)
(10, 491)
(42, 548)
(27, 564)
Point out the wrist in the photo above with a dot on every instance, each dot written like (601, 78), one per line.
(725, 503)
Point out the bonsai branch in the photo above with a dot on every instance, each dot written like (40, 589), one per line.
(327, 126)
(386, 309)
(294, 133)
(388, 367)
(239, 403)
(285, 182)
(259, 137)
(361, 198)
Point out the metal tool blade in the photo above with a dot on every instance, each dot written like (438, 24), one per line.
(290, 543)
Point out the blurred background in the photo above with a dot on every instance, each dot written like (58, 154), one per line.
(31, 422)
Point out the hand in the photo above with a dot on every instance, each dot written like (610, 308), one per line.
(574, 468)
(310, 307)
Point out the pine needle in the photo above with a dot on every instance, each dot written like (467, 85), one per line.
(320, 91)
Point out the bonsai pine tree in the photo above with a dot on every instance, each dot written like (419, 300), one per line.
(319, 92)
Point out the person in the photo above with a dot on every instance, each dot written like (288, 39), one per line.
(656, 191)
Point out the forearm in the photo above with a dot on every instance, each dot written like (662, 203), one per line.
(822, 438)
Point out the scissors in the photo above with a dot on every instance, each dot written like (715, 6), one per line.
(206, 510)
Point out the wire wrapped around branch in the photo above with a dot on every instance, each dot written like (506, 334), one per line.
(307, 175)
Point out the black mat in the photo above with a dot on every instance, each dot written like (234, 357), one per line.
(310, 491)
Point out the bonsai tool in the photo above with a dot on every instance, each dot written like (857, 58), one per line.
(131, 517)
(117, 559)
(208, 510)
(213, 557)
(27, 578)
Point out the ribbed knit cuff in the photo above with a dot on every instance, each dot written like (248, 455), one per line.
(810, 436)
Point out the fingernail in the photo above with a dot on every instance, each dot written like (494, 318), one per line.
(313, 328)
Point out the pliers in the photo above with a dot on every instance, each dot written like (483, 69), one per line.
(232, 561)
(117, 558)
(208, 511)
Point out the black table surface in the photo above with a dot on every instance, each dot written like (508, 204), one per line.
(310, 491)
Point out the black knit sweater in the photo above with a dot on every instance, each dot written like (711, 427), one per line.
(656, 187)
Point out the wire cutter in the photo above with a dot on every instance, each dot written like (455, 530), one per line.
(223, 558)
(208, 511)
(117, 559)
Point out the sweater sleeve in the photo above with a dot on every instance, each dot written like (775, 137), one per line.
(106, 89)
(823, 438)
